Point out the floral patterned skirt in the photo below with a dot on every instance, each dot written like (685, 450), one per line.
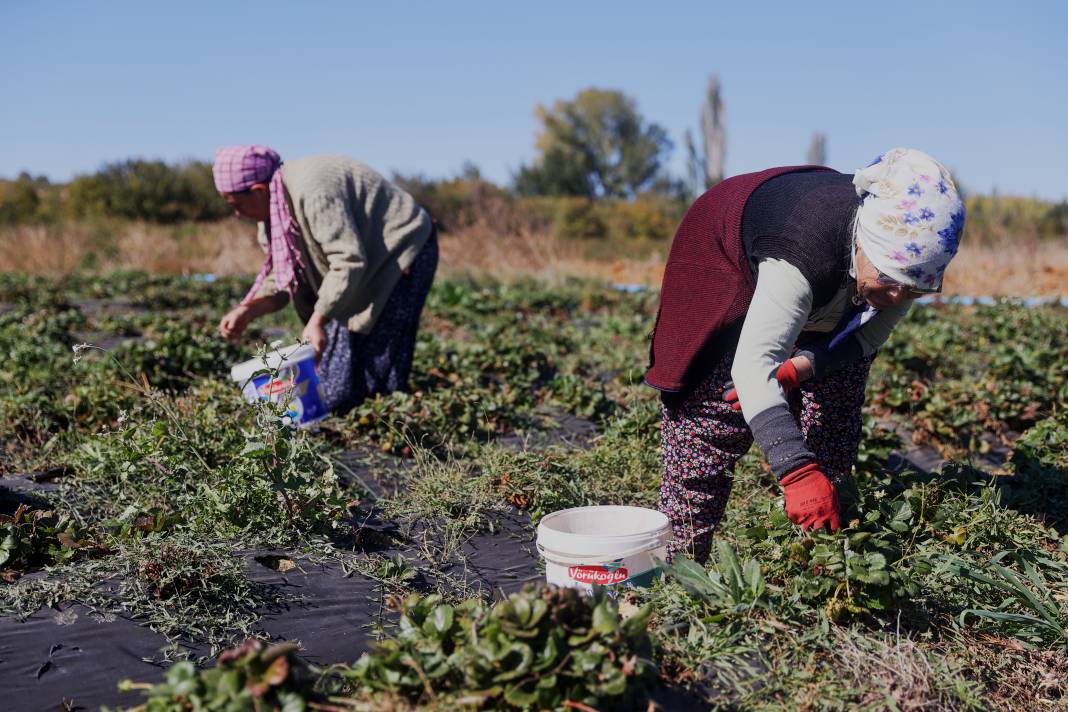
(355, 366)
(702, 438)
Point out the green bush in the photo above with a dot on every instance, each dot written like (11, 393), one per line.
(578, 219)
(148, 190)
(134, 189)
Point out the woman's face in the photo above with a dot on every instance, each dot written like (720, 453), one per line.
(254, 203)
(875, 291)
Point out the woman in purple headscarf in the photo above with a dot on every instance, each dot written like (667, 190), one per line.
(354, 253)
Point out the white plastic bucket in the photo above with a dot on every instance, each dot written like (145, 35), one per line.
(293, 380)
(612, 546)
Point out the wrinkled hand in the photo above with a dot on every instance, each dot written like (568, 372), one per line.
(811, 500)
(315, 334)
(234, 323)
(789, 375)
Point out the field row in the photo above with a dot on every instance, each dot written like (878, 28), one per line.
(139, 486)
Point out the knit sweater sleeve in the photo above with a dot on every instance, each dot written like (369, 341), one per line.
(777, 313)
(875, 333)
(334, 228)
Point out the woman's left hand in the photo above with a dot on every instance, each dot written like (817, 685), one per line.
(315, 334)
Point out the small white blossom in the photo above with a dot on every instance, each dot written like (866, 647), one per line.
(77, 349)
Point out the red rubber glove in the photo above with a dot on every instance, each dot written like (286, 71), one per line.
(811, 500)
(786, 376)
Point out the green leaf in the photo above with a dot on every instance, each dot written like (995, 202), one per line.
(442, 618)
(521, 609)
(729, 565)
(255, 448)
(517, 660)
(755, 533)
(875, 560)
(518, 697)
(1003, 616)
(291, 702)
(754, 578)
(605, 618)
(692, 576)
(6, 547)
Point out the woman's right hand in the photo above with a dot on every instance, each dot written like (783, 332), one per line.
(811, 501)
(233, 325)
(790, 375)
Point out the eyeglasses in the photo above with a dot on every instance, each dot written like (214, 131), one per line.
(912, 292)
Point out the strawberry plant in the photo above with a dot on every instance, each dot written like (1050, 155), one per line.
(32, 538)
(250, 677)
(538, 649)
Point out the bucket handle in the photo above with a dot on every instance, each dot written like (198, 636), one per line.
(589, 561)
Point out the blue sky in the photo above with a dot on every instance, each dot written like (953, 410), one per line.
(422, 87)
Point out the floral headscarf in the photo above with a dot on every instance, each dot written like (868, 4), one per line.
(238, 168)
(911, 217)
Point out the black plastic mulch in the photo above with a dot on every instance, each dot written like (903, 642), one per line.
(75, 655)
(71, 655)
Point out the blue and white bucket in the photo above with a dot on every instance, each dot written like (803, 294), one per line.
(284, 375)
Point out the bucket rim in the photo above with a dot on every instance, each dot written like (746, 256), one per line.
(561, 558)
(277, 357)
(553, 543)
(544, 526)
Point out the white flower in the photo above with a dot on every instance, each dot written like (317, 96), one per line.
(77, 349)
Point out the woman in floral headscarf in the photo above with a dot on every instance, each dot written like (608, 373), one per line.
(354, 253)
(779, 288)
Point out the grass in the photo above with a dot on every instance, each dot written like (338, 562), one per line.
(946, 590)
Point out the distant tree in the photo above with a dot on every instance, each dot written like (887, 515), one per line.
(454, 202)
(21, 200)
(595, 145)
(817, 150)
(470, 171)
(714, 132)
(557, 172)
(1055, 222)
(696, 169)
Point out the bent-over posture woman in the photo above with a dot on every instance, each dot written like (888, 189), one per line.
(779, 287)
(354, 253)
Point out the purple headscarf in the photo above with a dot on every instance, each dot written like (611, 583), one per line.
(238, 168)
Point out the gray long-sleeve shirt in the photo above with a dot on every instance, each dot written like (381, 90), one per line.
(781, 312)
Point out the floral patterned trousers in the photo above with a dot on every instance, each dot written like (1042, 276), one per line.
(357, 366)
(702, 438)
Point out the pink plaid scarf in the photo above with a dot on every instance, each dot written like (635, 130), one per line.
(238, 168)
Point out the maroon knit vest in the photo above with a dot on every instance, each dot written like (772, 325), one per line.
(707, 282)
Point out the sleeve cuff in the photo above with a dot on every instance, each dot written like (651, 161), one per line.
(780, 440)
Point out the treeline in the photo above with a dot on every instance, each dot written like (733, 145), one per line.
(156, 192)
(600, 172)
(136, 189)
(468, 200)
